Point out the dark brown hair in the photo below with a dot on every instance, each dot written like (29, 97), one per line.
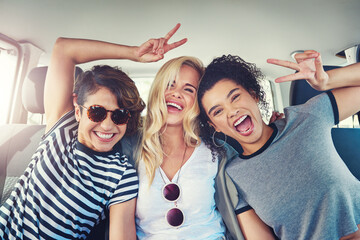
(119, 83)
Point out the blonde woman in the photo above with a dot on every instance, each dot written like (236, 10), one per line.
(176, 170)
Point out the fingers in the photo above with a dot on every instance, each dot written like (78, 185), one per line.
(308, 54)
(175, 45)
(290, 77)
(276, 116)
(284, 63)
(299, 57)
(319, 64)
(305, 66)
(155, 46)
(167, 47)
(172, 32)
(159, 48)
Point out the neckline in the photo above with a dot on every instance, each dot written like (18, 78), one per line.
(165, 177)
(265, 146)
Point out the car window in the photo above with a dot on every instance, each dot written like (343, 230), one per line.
(8, 67)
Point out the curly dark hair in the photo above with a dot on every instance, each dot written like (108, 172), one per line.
(242, 73)
(119, 83)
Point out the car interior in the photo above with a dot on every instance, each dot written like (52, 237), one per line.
(255, 30)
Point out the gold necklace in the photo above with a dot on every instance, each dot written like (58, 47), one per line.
(182, 161)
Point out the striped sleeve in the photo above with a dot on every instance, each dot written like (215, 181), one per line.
(127, 187)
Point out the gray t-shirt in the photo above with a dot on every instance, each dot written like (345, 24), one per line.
(297, 183)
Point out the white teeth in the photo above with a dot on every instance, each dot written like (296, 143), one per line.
(240, 120)
(104, 135)
(174, 105)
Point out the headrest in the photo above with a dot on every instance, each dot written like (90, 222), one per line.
(301, 91)
(33, 89)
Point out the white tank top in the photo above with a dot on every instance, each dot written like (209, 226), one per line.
(196, 180)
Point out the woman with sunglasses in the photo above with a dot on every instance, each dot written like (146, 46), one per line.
(289, 175)
(78, 172)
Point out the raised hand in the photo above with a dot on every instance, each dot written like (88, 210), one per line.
(154, 49)
(276, 116)
(308, 66)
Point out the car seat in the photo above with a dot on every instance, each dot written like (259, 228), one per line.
(346, 140)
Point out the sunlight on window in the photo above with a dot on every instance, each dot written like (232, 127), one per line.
(350, 122)
(143, 84)
(8, 60)
(266, 85)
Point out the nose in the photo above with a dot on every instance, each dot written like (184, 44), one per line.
(233, 112)
(176, 93)
(107, 124)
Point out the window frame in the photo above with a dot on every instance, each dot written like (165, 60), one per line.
(5, 40)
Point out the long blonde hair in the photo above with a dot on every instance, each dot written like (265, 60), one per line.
(151, 149)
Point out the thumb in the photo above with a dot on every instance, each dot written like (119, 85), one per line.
(153, 58)
(318, 64)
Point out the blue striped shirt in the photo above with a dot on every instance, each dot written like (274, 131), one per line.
(66, 188)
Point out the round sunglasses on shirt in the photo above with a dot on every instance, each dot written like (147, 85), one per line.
(98, 113)
(174, 216)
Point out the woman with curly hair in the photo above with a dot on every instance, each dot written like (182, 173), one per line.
(289, 177)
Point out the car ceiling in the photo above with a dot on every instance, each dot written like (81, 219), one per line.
(254, 29)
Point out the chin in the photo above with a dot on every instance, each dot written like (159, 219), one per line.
(104, 148)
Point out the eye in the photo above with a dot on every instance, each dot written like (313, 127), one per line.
(235, 97)
(171, 85)
(217, 112)
(190, 90)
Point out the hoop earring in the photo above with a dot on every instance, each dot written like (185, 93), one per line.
(213, 139)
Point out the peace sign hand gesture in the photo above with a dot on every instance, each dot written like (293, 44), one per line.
(154, 49)
(308, 66)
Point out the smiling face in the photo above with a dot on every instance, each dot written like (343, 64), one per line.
(180, 96)
(234, 111)
(99, 136)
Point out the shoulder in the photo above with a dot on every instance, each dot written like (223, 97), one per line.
(230, 151)
(129, 146)
(225, 148)
(320, 109)
(313, 105)
(65, 124)
(122, 168)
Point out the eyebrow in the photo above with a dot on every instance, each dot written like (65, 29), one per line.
(228, 95)
(188, 84)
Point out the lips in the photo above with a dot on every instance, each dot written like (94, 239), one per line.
(244, 125)
(173, 105)
(106, 137)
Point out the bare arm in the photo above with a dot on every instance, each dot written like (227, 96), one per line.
(68, 52)
(252, 227)
(344, 81)
(122, 221)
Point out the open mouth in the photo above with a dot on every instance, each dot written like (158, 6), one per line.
(174, 105)
(244, 125)
(105, 136)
